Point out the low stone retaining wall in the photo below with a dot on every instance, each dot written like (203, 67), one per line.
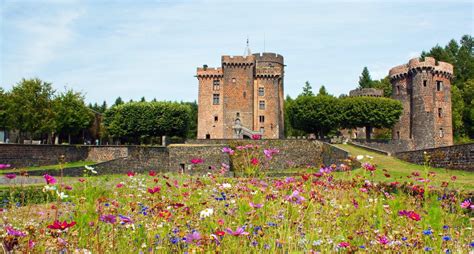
(388, 146)
(453, 157)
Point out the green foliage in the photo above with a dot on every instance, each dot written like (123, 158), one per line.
(365, 81)
(369, 112)
(315, 114)
(323, 91)
(118, 101)
(4, 105)
(31, 107)
(385, 85)
(138, 121)
(462, 58)
(307, 89)
(71, 114)
(193, 119)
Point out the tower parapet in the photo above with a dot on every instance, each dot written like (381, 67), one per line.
(209, 72)
(371, 92)
(268, 59)
(417, 64)
(238, 60)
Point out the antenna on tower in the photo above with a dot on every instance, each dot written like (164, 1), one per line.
(247, 51)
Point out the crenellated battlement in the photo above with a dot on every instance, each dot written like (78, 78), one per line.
(268, 57)
(371, 92)
(209, 72)
(238, 60)
(267, 72)
(417, 64)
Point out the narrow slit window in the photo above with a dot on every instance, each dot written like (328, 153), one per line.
(440, 112)
(441, 132)
(439, 85)
(262, 119)
(216, 118)
(425, 82)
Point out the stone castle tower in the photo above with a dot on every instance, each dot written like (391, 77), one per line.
(424, 89)
(243, 97)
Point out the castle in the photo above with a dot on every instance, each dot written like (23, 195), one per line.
(242, 98)
(424, 89)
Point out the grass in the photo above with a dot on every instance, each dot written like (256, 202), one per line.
(53, 167)
(399, 169)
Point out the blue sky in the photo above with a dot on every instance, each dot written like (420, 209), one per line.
(131, 49)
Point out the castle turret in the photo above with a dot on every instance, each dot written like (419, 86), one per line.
(424, 89)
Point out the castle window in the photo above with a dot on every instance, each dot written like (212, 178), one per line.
(238, 114)
(215, 99)
(398, 135)
(262, 130)
(208, 136)
(425, 82)
(245, 94)
(261, 119)
(216, 118)
(439, 85)
(398, 89)
(441, 132)
(216, 85)
(440, 112)
(261, 91)
(233, 80)
(261, 105)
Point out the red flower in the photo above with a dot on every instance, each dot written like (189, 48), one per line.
(220, 233)
(152, 173)
(165, 214)
(61, 225)
(81, 180)
(154, 190)
(453, 178)
(119, 185)
(256, 136)
(410, 214)
(344, 244)
(130, 173)
(254, 161)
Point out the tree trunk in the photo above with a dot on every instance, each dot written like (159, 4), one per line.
(368, 132)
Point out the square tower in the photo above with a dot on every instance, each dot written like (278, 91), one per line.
(243, 98)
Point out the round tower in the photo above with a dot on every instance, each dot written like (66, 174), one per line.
(423, 86)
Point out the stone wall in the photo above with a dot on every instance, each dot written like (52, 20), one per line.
(453, 157)
(180, 156)
(387, 146)
(19, 155)
(294, 153)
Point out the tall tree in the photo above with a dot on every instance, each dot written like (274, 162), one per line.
(369, 112)
(307, 89)
(32, 108)
(385, 85)
(72, 115)
(323, 91)
(4, 106)
(118, 101)
(365, 81)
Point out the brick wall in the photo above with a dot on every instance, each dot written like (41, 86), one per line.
(453, 157)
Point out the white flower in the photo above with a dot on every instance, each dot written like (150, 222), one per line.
(91, 169)
(226, 185)
(368, 156)
(206, 213)
(61, 195)
(360, 157)
(49, 188)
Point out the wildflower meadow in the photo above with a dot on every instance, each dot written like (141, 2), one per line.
(315, 210)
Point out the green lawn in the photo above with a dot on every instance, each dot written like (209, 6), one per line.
(56, 166)
(399, 170)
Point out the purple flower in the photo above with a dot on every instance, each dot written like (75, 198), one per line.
(256, 206)
(194, 236)
(238, 232)
(295, 197)
(467, 205)
(125, 220)
(49, 179)
(13, 232)
(110, 218)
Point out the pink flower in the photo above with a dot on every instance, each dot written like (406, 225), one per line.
(254, 161)
(344, 245)
(4, 166)
(383, 240)
(238, 232)
(256, 136)
(68, 187)
(196, 161)
(369, 167)
(152, 173)
(130, 174)
(256, 206)
(154, 190)
(49, 179)
(119, 185)
(270, 152)
(10, 176)
(228, 150)
(195, 236)
(410, 214)
(467, 204)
